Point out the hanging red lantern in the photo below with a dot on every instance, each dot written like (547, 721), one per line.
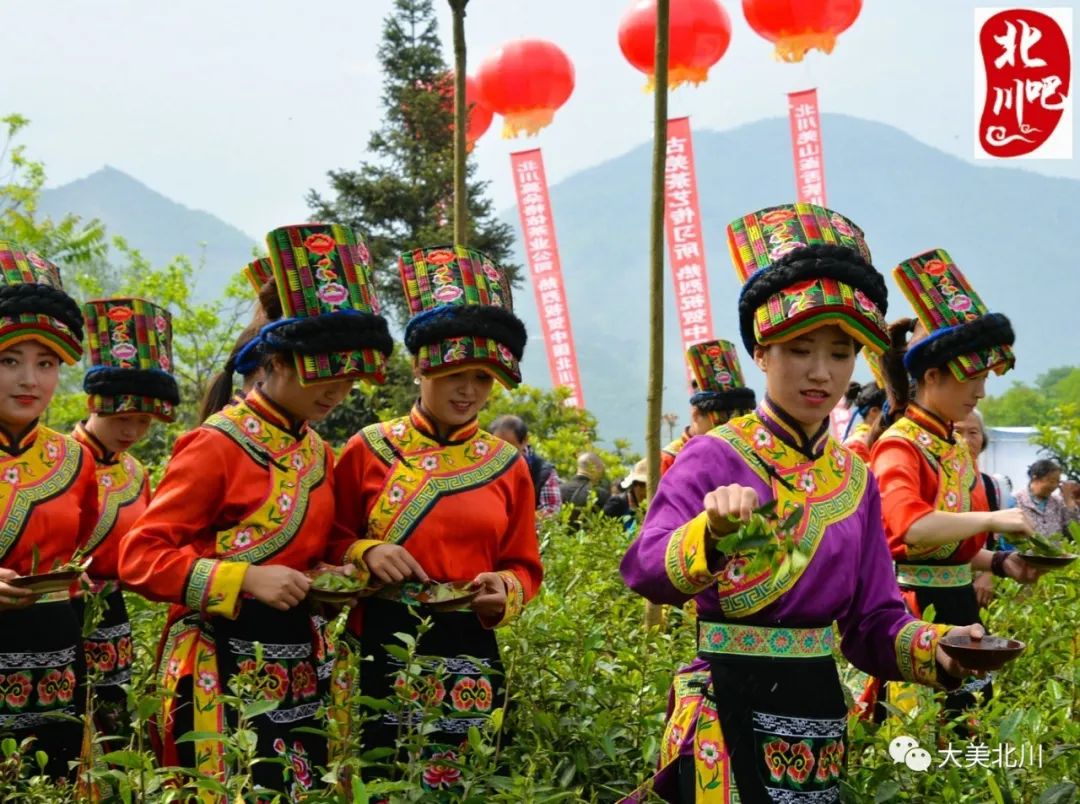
(479, 115)
(526, 81)
(797, 26)
(700, 32)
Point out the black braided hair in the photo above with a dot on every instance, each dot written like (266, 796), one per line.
(481, 321)
(870, 396)
(812, 262)
(730, 401)
(42, 300)
(109, 381)
(985, 332)
(897, 382)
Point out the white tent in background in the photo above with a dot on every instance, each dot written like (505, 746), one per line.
(1010, 452)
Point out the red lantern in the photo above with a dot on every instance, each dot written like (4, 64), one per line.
(479, 115)
(797, 26)
(700, 32)
(526, 81)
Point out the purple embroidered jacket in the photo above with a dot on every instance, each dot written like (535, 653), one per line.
(849, 578)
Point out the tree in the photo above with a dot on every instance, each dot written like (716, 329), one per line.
(68, 241)
(559, 432)
(1026, 405)
(1061, 439)
(403, 197)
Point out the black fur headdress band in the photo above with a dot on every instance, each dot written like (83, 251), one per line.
(332, 332)
(811, 262)
(937, 350)
(109, 381)
(735, 399)
(467, 320)
(39, 299)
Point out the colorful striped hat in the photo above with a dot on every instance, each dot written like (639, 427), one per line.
(462, 313)
(34, 306)
(331, 320)
(258, 272)
(718, 378)
(961, 332)
(804, 267)
(131, 368)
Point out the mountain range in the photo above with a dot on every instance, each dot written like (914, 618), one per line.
(1009, 230)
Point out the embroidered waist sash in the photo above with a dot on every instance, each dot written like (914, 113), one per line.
(737, 639)
(934, 575)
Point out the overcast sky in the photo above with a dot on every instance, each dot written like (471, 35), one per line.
(240, 107)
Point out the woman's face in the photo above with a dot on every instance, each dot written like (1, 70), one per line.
(29, 372)
(947, 396)
(1046, 485)
(970, 429)
(456, 399)
(807, 376)
(119, 432)
(311, 403)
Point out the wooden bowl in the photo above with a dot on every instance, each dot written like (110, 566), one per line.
(48, 582)
(1048, 562)
(988, 653)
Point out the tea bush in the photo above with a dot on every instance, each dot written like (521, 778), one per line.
(587, 692)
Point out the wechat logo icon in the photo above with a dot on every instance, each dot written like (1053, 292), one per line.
(906, 750)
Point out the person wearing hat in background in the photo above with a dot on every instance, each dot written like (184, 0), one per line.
(627, 502)
(583, 492)
(50, 499)
(934, 506)
(245, 511)
(719, 393)
(219, 392)
(514, 431)
(432, 497)
(761, 712)
(128, 385)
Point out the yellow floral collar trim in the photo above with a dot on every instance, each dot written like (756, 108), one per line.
(20, 442)
(272, 413)
(423, 422)
(784, 427)
(829, 488)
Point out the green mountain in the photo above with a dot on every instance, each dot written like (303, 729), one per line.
(157, 226)
(1008, 229)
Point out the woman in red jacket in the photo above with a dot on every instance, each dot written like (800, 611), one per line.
(50, 507)
(432, 496)
(245, 511)
(129, 384)
(933, 501)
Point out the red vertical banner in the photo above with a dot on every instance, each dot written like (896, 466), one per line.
(806, 145)
(542, 252)
(686, 249)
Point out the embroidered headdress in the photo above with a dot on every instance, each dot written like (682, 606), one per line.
(130, 342)
(961, 332)
(330, 319)
(258, 272)
(803, 267)
(462, 313)
(718, 378)
(34, 306)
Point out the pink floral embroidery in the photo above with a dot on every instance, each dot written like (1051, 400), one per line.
(438, 774)
(763, 438)
(242, 538)
(709, 753)
(11, 475)
(252, 426)
(284, 503)
(397, 494)
(207, 682)
(333, 294)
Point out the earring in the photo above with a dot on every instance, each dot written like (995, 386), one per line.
(415, 380)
